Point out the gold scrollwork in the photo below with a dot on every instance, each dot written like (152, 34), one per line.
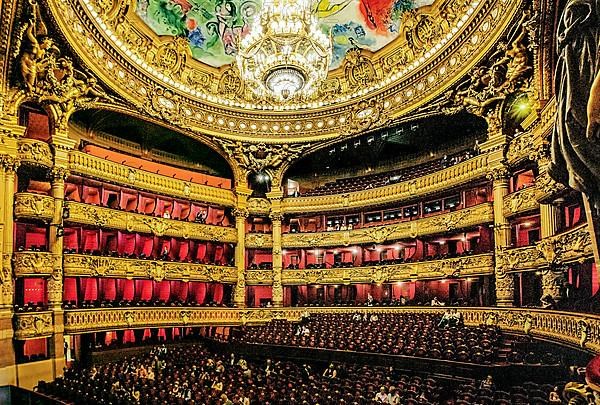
(33, 325)
(29, 205)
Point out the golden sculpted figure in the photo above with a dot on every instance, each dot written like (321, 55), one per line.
(575, 141)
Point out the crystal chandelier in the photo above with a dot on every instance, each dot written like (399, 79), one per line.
(286, 55)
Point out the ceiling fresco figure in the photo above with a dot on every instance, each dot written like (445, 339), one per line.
(213, 27)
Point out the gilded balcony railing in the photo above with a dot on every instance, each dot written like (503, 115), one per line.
(102, 217)
(34, 206)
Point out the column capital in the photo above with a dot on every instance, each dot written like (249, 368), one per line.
(9, 164)
(276, 216)
(59, 174)
(240, 213)
(499, 174)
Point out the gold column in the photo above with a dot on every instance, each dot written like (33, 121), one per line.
(505, 286)
(241, 213)
(10, 133)
(276, 218)
(553, 276)
(62, 146)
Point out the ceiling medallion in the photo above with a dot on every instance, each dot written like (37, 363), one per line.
(286, 55)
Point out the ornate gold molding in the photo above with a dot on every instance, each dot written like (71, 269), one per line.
(34, 263)
(438, 44)
(31, 151)
(562, 327)
(100, 266)
(259, 277)
(259, 240)
(102, 217)
(34, 206)
(102, 169)
(521, 201)
(461, 173)
(477, 215)
(458, 267)
(568, 247)
(33, 325)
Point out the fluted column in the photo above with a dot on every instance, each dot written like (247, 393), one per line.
(276, 218)
(553, 276)
(505, 286)
(10, 165)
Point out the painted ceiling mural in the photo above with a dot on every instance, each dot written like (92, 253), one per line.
(213, 26)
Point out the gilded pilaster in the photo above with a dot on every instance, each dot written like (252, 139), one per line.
(241, 213)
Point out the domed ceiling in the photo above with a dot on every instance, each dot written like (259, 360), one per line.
(212, 27)
(172, 59)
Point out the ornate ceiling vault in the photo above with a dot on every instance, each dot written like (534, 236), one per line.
(436, 45)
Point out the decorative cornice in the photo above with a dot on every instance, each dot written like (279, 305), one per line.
(34, 206)
(461, 173)
(521, 201)
(91, 166)
(458, 267)
(100, 266)
(561, 327)
(33, 325)
(477, 215)
(34, 263)
(102, 217)
(34, 152)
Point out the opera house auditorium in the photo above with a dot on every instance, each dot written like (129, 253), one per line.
(303, 202)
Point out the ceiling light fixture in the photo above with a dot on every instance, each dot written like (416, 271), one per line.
(286, 55)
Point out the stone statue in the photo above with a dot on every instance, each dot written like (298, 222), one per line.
(576, 136)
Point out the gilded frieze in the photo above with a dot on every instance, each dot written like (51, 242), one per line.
(458, 267)
(99, 266)
(31, 151)
(461, 173)
(80, 213)
(444, 40)
(33, 325)
(34, 263)
(521, 201)
(478, 215)
(102, 169)
(34, 206)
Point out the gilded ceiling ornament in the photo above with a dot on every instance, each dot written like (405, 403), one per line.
(366, 115)
(358, 69)
(231, 84)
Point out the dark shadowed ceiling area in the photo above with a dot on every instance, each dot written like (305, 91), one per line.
(153, 137)
(394, 146)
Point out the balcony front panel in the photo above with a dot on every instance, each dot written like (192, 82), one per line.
(33, 325)
(101, 169)
(581, 330)
(461, 173)
(259, 277)
(568, 247)
(467, 266)
(100, 266)
(80, 213)
(34, 206)
(478, 215)
(522, 201)
(34, 152)
(259, 240)
(34, 263)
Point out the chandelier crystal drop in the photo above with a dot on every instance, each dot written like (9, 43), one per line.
(286, 55)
